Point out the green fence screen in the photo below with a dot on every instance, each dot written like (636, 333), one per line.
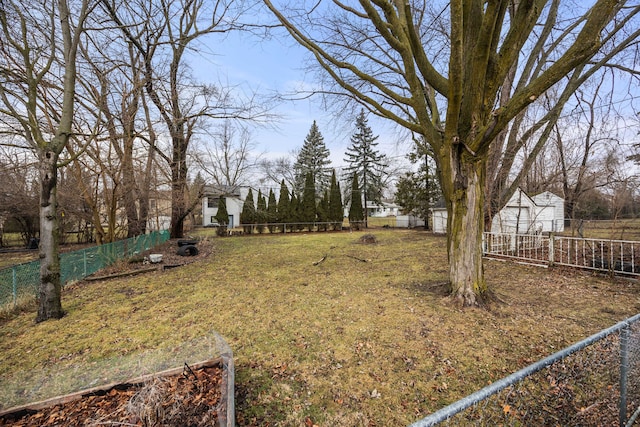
(22, 280)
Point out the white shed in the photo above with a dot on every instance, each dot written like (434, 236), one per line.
(439, 219)
(521, 215)
(517, 216)
(550, 211)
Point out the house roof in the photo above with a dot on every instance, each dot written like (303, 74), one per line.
(547, 198)
(541, 199)
(221, 190)
(517, 199)
(382, 204)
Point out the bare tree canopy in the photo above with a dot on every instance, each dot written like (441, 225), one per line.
(38, 51)
(442, 71)
(162, 33)
(227, 156)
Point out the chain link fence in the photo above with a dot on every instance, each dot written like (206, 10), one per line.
(21, 281)
(595, 382)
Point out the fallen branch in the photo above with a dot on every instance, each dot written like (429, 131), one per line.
(321, 259)
(121, 274)
(359, 259)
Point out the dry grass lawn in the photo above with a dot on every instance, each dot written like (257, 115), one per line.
(326, 330)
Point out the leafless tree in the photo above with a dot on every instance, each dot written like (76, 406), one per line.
(447, 81)
(274, 170)
(227, 157)
(38, 52)
(112, 93)
(19, 200)
(516, 149)
(162, 33)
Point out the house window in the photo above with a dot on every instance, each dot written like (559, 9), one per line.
(212, 202)
(152, 204)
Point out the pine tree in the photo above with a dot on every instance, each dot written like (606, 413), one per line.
(294, 211)
(314, 158)
(222, 217)
(283, 205)
(366, 161)
(261, 211)
(322, 211)
(196, 191)
(248, 214)
(308, 205)
(356, 214)
(336, 208)
(416, 191)
(272, 210)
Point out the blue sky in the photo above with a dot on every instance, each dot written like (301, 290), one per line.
(276, 65)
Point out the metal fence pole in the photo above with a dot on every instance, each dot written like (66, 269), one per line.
(480, 395)
(15, 286)
(624, 363)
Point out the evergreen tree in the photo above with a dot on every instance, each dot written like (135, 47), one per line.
(261, 211)
(272, 210)
(222, 217)
(336, 209)
(248, 214)
(196, 191)
(416, 191)
(322, 211)
(294, 212)
(283, 205)
(366, 161)
(356, 214)
(314, 158)
(308, 205)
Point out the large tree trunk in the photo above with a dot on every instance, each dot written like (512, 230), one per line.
(130, 190)
(464, 195)
(50, 289)
(179, 209)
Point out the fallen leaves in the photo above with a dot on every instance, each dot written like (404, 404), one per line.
(177, 400)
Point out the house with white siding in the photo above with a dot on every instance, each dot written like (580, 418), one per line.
(234, 198)
(382, 209)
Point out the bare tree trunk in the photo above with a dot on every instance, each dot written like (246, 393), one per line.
(464, 195)
(50, 289)
(129, 190)
(179, 170)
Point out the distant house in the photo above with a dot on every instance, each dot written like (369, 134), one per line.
(234, 198)
(521, 215)
(159, 211)
(382, 209)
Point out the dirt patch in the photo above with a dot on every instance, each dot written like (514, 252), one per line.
(141, 263)
(368, 239)
(190, 399)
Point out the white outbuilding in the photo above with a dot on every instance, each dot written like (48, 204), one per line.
(543, 213)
